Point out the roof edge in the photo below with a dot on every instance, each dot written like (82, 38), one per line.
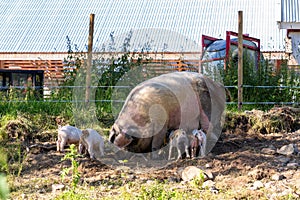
(289, 25)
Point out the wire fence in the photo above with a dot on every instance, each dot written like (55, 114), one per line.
(49, 90)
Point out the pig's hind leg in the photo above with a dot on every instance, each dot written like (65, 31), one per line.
(187, 151)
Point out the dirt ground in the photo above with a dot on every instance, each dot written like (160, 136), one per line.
(244, 164)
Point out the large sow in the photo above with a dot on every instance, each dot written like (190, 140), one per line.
(179, 100)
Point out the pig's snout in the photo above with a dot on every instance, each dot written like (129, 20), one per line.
(121, 140)
(119, 137)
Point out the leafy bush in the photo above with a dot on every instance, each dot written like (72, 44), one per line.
(263, 84)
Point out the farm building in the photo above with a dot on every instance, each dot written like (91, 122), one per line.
(35, 34)
(290, 21)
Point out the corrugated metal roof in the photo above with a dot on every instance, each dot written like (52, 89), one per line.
(42, 26)
(290, 11)
(290, 14)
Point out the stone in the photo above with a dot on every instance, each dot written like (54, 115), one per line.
(288, 150)
(190, 172)
(277, 177)
(23, 196)
(131, 177)
(292, 165)
(208, 184)
(150, 182)
(284, 160)
(257, 185)
(271, 150)
(56, 187)
(270, 185)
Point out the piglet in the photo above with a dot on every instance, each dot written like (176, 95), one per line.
(179, 140)
(67, 135)
(93, 142)
(198, 142)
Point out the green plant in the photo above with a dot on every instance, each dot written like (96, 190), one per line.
(118, 74)
(156, 191)
(75, 175)
(14, 156)
(71, 195)
(113, 75)
(4, 189)
(198, 180)
(20, 160)
(3, 161)
(4, 120)
(262, 83)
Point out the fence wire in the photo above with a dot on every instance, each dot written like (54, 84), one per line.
(7, 97)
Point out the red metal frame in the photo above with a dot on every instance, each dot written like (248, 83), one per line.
(245, 37)
(207, 40)
(290, 31)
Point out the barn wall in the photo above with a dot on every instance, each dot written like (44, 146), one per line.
(53, 63)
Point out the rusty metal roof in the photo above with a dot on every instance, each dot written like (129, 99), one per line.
(42, 26)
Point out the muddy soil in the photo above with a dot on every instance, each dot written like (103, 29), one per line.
(245, 155)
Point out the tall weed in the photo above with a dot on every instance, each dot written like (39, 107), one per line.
(263, 85)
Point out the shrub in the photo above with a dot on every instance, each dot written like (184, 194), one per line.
(263, 84)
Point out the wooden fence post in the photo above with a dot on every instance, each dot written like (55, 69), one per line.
(240, 60)
(89, 59)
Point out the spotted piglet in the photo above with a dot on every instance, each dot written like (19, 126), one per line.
(180, 141)
(198, 143)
